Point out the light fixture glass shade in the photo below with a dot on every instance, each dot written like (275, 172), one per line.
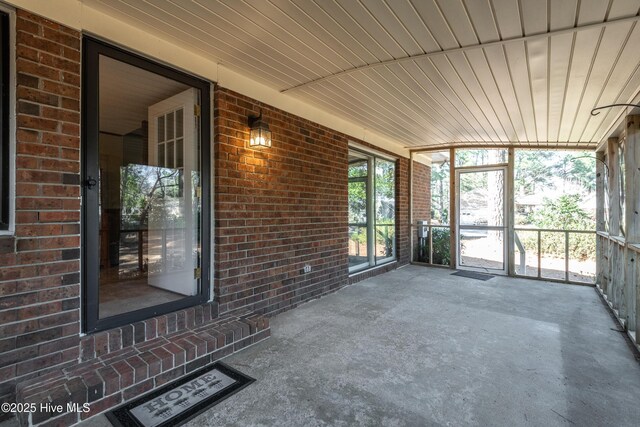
(260, 137)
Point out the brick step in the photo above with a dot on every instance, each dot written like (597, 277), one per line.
(117, 377)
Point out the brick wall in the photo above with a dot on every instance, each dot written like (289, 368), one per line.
(39, 267)
(421, 192)
(279, 209)
(403, 228)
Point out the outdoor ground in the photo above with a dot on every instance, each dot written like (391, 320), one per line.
(418, 346)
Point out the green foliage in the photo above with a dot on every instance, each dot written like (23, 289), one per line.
(564, 213)
(385, 236)
(441, 247)
(357, 202)
(142, 187)
(536, 170)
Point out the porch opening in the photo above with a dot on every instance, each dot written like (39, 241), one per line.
(517, 212)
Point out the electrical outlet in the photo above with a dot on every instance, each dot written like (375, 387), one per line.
(307, 268)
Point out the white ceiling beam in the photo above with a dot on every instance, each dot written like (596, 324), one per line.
(500, 145)
(462, 49)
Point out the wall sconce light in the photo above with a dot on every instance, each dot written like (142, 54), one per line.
(260, 136)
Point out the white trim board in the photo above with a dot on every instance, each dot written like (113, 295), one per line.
(12, 120)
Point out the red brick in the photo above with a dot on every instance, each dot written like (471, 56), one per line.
(137, 390)
(102, 405)
(126, 373)
(26, 66)
(65, 90)
(37, 96)
(70, 141)
(59, 114)
(59, 216)
(62, 38)
(36, 123)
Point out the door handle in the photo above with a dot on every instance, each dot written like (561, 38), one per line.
(90, 182)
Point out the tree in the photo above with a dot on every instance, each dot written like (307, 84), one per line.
(564, 213)
(440, 192)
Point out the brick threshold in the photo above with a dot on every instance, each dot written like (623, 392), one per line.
(113, 379)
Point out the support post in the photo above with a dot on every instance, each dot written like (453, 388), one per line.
(600, 222)
(613, 184)
(566, 256)
(453, 238)
(632, 180)
(412, 230)
(511, 218)
(600, 182)
(632, 219)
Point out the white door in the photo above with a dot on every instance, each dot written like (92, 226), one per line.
(172, 250)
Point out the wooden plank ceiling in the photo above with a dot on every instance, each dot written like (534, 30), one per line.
(376, 62)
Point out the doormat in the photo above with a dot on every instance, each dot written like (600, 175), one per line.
(178, 402)
(473, 275)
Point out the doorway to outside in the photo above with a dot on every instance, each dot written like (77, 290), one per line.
(145, 210)
(481, 219)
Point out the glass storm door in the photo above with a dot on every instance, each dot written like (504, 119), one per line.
(145, 215)
(481, 219)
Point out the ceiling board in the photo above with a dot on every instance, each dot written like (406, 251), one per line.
(533, 91)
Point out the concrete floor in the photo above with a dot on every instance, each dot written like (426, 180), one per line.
(420, 347)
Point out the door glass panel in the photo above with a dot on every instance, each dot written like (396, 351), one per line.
(480, 157)
(481, 235)
(357, 195)
(179, 153)
(358, 202)
(358, 246)
(170, 124)
(482, 198)
(385, 207)
(160, 124)
(483, 249)
(161, 154)
(385, 237)
(170, 151)
(149, 224)
(371, 189)
(179, 117)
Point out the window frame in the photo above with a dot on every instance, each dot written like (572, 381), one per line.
(92, 49)
(7, 117)
(371, 223)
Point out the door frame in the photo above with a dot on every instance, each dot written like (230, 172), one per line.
(504, 228)
(92, 49)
